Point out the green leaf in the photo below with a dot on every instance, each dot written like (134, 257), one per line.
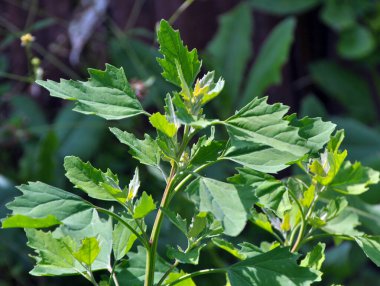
(262, 139)
(344, 86)
(186, 257)
(173, 50)
(276, 267)
(371, 247)
(160, 122)
(134, 186)
(94, 182)
(315, 257)
(344, 224)
(230, 52)
(123, 238)
(54, 254)
(106, 94)
(226, 202)
(143, 206)
(175, 276)
(88, 251)
(206, 150)
(207, 89)
(316, 132)
(356, 42)
(261, 220)
(281, 7)
(354, 179)
(134, 271)
(176, 219)
(267, 69)
(339, 15)
(146, 151)
(40, 201)
(368, 214)
(267, 189)
(229, 247)
(28, 222)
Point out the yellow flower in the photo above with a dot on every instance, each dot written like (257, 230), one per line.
(26, 39)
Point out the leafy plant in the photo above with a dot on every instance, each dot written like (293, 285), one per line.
(262, 139)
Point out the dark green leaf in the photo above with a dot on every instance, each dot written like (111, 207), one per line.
(371, 247)
(267, 69)
(356, 42)
(106, 94)
(276, 267)
(175, 53)
(146, 151)
(229, 247)
(186, 257)
(282, 7)
(339, 15)
(123, 238)
(315, 257)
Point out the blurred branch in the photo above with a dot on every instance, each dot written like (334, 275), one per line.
(180, 10)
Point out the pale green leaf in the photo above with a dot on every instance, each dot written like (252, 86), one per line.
(134, 186)
(261, 220)
(88, 251)
(228, 203)
(207, 89)
(173, 50)
(123, 238)
(282, 7)
(146, 151)
(229, 52)
(40, 201)
(175, 276)
(160, 122)
(315, 257)
(267, 69)
(94, 182)
(371, 247)
(262, 139)
(344, 224)
(354, 179)
(106, 94)
(144, 205)
(274, 268)
(28, 222)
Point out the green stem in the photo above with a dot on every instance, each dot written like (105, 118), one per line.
(324, 235)
(197, 273)
(152, 250)
(171, 268)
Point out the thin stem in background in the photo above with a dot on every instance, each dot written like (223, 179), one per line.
(180, 10)
(198, 273)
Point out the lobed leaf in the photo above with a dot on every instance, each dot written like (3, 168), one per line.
(106, 94)
(88, 251)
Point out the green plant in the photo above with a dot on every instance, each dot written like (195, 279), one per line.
(261, 138)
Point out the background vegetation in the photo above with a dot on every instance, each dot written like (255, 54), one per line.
(321, 57)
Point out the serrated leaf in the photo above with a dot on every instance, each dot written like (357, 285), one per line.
(134, 271)
(344, 224)
(186, 257)
(160, 122)
(146, 151)
(261, 139)
(88, 251)
(53, 253)
(282, 7)
(198, 225)
(229, 247)
(174, 276)
(371, 247)
(230, 52)
(315, 257)
(354, 179)
(206, 88)
(123, 238)
(267, 189)
(106, 94)
(316, 132)
(143, 206)
(28, 222)
(226, 202)
(176, 219)
(206, 150)
(276, 267)
(94, 182)
(266, 70)
(39, 201)
(173, 50)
